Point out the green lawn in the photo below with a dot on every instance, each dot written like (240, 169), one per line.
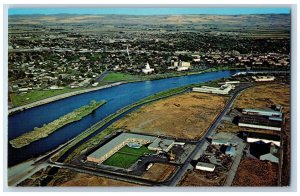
(136, 151)
(127, 156)
(116, 77)
(36, 95)
(121, 160)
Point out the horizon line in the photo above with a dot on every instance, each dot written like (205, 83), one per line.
(149, 11)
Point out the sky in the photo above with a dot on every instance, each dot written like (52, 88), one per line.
(149, 11)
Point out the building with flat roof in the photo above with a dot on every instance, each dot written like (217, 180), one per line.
(259, 122)
(223, 90)
(161, 145)
(263, 78)
(230, 150)
(132, 140)
(266, 138)
(114, 145)
(205, 166)
(272, 156)
(262, 112)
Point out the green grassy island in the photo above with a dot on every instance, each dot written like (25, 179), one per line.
(47, 129)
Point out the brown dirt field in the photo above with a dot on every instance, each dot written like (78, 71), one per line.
(252, 172)
(264, 96)
(182, 116)
(159, 172)
(197, 178)
(66, 177)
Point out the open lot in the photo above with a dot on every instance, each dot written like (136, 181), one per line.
(182, 116)
(203, 178)
(264, 96)
(252, 172)
(66, 177)
(159, 172)
(126, 156)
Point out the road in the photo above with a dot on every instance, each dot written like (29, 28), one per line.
(178, 176)
(235, 164)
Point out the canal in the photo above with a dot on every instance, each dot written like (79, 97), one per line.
(116, 97)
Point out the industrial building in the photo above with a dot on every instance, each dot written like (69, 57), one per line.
(224, 138)
(205, 166)
(230, 150)
(132, 140)
(266, 138)
(272, 155)
(263, 78)
(260, 122)
(223, 90)
(261, 112)
(161, 145)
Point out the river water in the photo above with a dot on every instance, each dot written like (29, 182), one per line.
(116, 97)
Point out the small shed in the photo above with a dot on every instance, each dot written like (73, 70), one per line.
(205, 166)
(230, 150)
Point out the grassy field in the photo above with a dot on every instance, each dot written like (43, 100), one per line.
(117, 77)
(126, 156)
(121, 160)
(185, 116)
(36, 95)
(136, 151)
(47, 129)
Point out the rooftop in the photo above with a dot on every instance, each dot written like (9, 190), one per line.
(118, 140)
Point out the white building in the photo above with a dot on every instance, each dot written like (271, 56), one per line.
(223, 90)
(263, 78)
(266, 138)
(147, 69)
(181, 65)
(205, 166)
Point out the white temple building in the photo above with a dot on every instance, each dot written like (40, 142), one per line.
(147, 69)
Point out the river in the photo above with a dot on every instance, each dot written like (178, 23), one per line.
(116, 97)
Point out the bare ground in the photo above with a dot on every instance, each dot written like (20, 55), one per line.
(66, 177)
(159, 172)
(182, 116)
(252, 172)
(202, 178)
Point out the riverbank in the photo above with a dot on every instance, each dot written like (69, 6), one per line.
(58, 97)
(67, 94)
(47, 129)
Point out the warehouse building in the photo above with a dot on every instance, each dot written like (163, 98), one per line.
(272, 155)
(266, 138)
(259, 122)
(223, 90)
(261, 112)
(263, 78)
(205, 166)
(161, 145)
(131, 140)
(116, 144)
